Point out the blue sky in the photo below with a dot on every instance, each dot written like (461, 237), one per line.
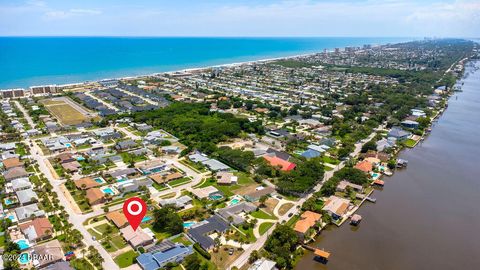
(376, 18)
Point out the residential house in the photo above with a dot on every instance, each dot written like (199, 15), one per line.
(342, 186)
(200, 232)
(206, 192)
(263, 264)
(28, 212)
(48, 253)
(336, 207)
(11, 163)
(86, 183)
(226, 178)
(27, 196)
(95, 196)
(118, 218)
(164, 254)
(125, 145)
(280, 163)
(137, 238)
(364, 166)
(410, 124)
(15, 173)
(308, 221)
(258, 193)
(20, 184)
(37, 229)
(398, 133)
(182, 202)
(233, 213)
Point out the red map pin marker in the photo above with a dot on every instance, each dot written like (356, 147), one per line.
(134, 210)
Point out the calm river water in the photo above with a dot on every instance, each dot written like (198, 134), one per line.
(428, 215)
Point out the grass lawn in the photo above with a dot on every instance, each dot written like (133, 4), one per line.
(330, 160)
(227, 190)
(159, 187)
(179, 182)
(126, 259)
(248, 234)
(264, 227)
(81, 264)
(103, 228)
(410, 143)
(181, 239)
(2, 240)
(292, 220)
(262, 215)
(194, 166)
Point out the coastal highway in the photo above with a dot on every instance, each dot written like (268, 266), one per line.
(243, 258)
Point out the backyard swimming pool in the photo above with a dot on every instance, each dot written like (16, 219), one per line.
(215, 197)
(23, 244)
(108, 191)
(24, 258)
(99, 180)
(80, 158)
(9, 202)
(146, 218)
(188, 224)
(68, 145)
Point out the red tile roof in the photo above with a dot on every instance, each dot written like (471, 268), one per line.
(278, 162)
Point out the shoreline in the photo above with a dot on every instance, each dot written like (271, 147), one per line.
(439, 113)
(193, 69)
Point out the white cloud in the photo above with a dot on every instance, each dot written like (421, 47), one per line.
(63, 14)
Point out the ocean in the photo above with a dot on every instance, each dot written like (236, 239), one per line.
(27, 61)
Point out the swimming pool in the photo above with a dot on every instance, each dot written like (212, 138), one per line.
(375, 175)
(108, 191)
(11, 217)
(99, 180)
(23, 244)
(24, 258)
(8, 201)
(215, 197)
(146, 218)
(80, 158)
(68, 145)
(234, 201)
(188, 224)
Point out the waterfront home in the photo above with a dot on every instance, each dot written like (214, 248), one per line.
(162, 254)
(364, 166)
(37, 229)
(95, 196)
(410, 124)
(342, 186)
(418, 113)
(137, 238)
(200, 232)
(336, 207)
(118, 218)
(398, 133)
(28, 212)
(282, 164)
(307, 225)
(233, 213)
(226, 178)
(48, 253)
(263, 264)
(386, 143)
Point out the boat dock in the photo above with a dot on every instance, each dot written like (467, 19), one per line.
(320, 254)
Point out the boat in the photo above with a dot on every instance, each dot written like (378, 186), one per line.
(355, 219)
